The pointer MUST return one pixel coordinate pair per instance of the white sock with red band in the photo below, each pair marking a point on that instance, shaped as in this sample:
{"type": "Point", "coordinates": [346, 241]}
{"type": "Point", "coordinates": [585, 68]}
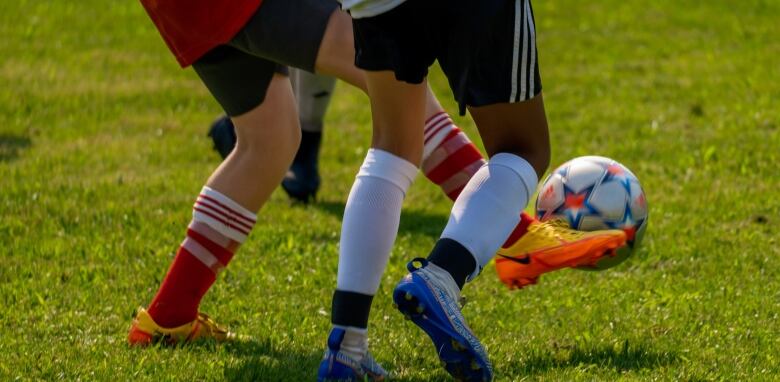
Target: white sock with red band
{"type": "Point", "coordinates": [450, 159]}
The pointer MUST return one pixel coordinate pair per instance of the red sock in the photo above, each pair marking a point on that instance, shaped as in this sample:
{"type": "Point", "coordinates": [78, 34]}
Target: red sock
{"type": "Point", "coordinates": [218, 227]}
{"type": "Point", "coordinates": [520, 230]}
{"type": "Point", "coordinates": [450, 159]}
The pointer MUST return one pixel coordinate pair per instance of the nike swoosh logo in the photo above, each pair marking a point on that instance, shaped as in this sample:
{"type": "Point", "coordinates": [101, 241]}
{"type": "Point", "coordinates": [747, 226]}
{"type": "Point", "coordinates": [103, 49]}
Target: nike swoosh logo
{"type": "Point", "coordinates": [525, 260]}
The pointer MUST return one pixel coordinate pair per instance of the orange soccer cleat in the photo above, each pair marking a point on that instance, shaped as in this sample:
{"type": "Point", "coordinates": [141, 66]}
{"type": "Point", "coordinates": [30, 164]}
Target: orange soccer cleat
{"type": "Point", "coordinates": [144, 331]}
{"type": "Point", "coordinates": [552, 245]}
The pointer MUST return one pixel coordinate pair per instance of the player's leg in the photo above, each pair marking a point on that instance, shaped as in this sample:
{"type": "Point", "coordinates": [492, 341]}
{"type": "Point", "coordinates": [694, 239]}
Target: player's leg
{"type": "Point", "coordinates": [371, 219]}
{"type": "Point", "coordinates": [224, 211]}
{"type": "Point", "coordinates": [313, 93]}
{"type": "Point", "coordinates": [495, 196]}
{"type": "Point", "coordinates": [278, 32]}
{"type": "Point", "coordinates": [372, 212]}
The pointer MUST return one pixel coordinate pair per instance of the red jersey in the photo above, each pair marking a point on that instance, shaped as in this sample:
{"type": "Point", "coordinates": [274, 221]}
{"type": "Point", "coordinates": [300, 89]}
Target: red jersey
{"type": "Point", "coordinates": [193, 27]}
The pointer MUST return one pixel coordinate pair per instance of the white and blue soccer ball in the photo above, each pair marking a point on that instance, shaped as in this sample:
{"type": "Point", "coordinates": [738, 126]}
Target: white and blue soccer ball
{"type": "Point", "coordinates": [594, 193]}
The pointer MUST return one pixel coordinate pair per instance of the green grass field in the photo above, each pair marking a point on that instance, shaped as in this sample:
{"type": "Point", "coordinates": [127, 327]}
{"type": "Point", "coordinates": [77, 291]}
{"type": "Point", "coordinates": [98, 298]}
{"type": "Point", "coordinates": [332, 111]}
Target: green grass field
{"type": "Point", "coordinates": [103, 149]}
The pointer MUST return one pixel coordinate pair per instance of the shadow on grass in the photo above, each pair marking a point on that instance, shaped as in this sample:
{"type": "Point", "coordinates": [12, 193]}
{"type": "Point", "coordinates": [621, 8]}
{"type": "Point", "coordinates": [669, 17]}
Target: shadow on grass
{"type": "Point", "coordinates": [625, 358]}
{"type": "Point", "coordinates": [259, 360]}
{"type": "Point", "coordinates": [412, 221]}
{"type": "Point", "coordinates": [11, 145]}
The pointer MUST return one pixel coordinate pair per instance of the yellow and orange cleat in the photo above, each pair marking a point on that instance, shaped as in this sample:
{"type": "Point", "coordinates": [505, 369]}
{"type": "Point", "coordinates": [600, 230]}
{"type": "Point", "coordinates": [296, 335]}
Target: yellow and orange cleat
{"type": "Point", "coordinates": [552, 245]}
{"type": "Point", "coordinates": [144, 331]}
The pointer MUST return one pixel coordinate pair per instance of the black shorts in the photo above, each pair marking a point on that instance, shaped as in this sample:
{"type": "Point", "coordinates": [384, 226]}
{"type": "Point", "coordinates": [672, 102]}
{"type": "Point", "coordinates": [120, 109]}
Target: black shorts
{"type": "Point", "coordinates": [486, 48]}
{"type": "Point", "coordinates": [281, 32]}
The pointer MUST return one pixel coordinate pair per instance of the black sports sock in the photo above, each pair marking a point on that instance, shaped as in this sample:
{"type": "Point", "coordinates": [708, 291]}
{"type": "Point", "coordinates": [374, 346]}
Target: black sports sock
{"type": "Point", "coordinates": [453, 258]}
{"type": "Point", "coordinates": [350, 309]}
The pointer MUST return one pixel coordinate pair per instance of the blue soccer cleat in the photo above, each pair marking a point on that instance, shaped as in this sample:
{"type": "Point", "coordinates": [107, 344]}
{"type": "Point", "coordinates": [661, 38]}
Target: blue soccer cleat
{"type": "Point", "coordinates": [430, 298]}
{"type": "Point", "coordinates": [337, 366]}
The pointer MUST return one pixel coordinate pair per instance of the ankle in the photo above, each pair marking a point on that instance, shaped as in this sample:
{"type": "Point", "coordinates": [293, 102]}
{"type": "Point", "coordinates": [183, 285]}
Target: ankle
{"type": "Point", "coordinates": [453, 258]}
{"type": "Point", "coordinates": [354, 342]}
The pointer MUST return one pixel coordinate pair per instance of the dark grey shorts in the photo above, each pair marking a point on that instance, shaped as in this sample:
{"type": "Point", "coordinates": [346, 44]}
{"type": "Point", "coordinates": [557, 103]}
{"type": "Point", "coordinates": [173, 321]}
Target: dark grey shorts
{"type": "Point", "coordinates": [281, 32]}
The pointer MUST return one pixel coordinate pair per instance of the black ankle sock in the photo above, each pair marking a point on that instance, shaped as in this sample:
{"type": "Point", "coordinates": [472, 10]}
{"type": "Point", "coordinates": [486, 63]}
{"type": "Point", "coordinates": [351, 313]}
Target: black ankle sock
{"type": "Point", "coordinates": [350, 309]}
{"type": "Point", "coordinates": [453, 258]}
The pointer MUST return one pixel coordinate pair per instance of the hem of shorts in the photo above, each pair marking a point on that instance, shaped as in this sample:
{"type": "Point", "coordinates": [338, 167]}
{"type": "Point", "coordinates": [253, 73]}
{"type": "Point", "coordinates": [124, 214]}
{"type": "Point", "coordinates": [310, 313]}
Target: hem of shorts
{"type": "Point", "coordinates": [358, 14]}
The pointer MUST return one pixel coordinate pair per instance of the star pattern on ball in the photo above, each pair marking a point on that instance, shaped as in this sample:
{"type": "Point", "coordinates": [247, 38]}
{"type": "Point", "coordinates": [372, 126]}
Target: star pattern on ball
{"type": "Point", "coordinates": [628, 224]}
{"type": "Point", "coordinates": [576, 205]}
{"type": "Point", "coordinates": [616, 173]}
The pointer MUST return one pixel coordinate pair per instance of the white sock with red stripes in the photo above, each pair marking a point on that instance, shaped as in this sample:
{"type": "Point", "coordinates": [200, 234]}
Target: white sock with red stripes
{"type": "Point", "coordinates": [450, 159]}
{"type": "Point", "coordinates": [219, 226]}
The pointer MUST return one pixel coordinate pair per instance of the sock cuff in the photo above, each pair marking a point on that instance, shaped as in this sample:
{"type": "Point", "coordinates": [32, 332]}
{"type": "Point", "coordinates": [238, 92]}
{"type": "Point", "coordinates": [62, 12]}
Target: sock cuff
{"type": "Point", "coordinates": [223, 215]}
{"type": "Point", "coordinates": [384, 165]}
{"type": "Point", "coordinates": [229, 203]}
{"type": "Point", "coordinates": [519, 166]}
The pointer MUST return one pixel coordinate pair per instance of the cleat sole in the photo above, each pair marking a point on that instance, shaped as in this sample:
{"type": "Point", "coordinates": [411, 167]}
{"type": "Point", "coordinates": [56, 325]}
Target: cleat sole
{"type": "Point", "coordinates": [455, 354]}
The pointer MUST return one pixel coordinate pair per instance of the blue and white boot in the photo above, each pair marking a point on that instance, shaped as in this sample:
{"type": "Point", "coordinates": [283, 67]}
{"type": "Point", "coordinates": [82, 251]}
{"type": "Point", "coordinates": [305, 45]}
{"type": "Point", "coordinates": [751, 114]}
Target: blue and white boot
{"type": "Point", "coordinates": [338, 366]}
{"type": "Point", "coordinates": [429, 297]}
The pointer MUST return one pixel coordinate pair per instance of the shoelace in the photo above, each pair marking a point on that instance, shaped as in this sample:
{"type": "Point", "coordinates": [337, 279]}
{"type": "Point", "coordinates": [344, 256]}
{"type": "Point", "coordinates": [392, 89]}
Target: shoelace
{"type": "Point", "coordinates": [551, 225]}
{"type": "Point", "coordinates": [210, 323]}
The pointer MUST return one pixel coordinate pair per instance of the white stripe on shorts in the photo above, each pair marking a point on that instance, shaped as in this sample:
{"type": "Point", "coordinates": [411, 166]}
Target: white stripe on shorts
{"type": "Point", "coordinates": [532, 40]}
{"type": "Point", "coordinates": [524, 61]}
{"type": "Point", "coordinates": [515, 51]}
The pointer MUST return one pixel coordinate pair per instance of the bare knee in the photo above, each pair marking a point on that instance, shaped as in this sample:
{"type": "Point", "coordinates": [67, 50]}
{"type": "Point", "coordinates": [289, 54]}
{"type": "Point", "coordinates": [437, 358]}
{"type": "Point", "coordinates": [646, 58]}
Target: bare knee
{"type": "Point", "coordinates": [272, 128]}
{"type": "Point", "coordinates": [257, 138]}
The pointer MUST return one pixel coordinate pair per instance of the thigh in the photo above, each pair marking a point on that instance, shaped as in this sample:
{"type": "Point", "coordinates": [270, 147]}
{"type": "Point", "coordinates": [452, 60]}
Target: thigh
{"type": "Point", "coordinates": [236, 79]}
{"type": "Point", "coordinates": [287, 31]}
{"type": "Point", "coordinates": [398, 114]}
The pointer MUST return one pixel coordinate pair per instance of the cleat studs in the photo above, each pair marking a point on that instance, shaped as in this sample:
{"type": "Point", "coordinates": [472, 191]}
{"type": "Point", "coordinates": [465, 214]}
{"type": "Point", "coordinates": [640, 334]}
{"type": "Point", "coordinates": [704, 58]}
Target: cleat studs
{"type": "Point", "coordinates": [408, 296]}
{"type": "Point", "coordinates": [420, 308]}
{"type": "Point", "coordinates": [457, 346]}
{"type": "Point", "coordinates": [475, 365]}
{"type": "Point", "coordinates": [408, 317]}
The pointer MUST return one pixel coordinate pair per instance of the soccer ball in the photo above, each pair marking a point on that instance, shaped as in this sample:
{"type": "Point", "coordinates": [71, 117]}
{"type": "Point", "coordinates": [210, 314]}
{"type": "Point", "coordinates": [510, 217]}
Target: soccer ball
{"type": "Point", "coordinates": [593, 193]}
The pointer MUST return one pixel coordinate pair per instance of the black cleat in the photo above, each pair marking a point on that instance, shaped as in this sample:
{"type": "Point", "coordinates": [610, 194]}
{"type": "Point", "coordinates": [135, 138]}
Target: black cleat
{"type": "Point", "coordinates": [302, 181]}
{"type": "Point", "coordinates": [223, 134]}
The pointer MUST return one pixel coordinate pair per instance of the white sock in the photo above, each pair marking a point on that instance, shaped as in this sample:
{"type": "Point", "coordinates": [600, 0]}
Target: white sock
{"type": "Point", "coordinates": [489, 207]}
{"type": "Point", "coordinates": [371, 219]}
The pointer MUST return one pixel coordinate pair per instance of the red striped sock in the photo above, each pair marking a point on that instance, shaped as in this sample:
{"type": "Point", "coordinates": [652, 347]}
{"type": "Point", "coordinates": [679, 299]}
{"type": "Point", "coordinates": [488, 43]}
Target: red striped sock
{"type": "Point", "coordinates": [450, 159]}
{"type": "Point", "coordinates": [218, 227]}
